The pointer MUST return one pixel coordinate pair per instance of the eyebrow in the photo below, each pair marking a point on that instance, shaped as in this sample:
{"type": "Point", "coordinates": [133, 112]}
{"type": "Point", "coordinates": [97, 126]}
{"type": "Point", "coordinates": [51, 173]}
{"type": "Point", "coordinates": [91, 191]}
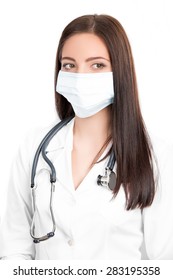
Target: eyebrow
{"type": "Point", "coordinates": [67, 58]}
{"type": "Point", "coordinates": [87, 60]}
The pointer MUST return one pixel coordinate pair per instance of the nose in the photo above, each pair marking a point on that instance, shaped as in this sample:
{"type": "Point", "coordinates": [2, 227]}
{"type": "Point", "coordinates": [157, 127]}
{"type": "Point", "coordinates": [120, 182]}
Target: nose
{"type": "Point", "coordinates": [82, 68]}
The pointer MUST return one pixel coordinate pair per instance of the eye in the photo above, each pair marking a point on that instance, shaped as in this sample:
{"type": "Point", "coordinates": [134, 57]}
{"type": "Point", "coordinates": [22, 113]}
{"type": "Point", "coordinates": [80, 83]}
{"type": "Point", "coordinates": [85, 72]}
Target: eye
{"type": "Point", "coordinates": [98, 65]}
{"type": "Point", "coordinates": [67, 66]}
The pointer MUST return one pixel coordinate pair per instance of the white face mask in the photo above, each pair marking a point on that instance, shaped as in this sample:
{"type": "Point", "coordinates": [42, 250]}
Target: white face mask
{"type": "Point", "coordinates": [88, 93]}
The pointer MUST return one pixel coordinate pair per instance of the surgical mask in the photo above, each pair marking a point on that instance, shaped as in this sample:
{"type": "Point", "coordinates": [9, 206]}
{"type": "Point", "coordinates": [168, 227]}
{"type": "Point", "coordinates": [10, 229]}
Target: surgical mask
{"type": "Point", "coordinates": [88, 93]}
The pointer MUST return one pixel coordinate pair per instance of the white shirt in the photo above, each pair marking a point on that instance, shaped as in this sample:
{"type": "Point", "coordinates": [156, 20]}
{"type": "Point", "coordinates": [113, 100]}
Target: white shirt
{"type": "Point", "coordinates": [89, 223]}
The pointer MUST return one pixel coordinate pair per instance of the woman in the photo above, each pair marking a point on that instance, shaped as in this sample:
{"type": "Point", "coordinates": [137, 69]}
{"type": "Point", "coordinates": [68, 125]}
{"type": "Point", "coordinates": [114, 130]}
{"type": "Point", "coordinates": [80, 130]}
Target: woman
{"type": "Point", "coordinates": [95, 85]}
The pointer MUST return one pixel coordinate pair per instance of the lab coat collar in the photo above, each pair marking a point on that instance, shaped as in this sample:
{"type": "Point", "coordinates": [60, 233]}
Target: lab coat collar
{"type": "Point", "coordinates": [59, 152]}
{"type": "Point", "coordinates": [62, 139]}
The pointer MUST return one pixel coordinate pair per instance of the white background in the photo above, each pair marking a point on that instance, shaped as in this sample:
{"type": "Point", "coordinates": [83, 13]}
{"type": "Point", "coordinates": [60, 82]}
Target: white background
{"type": "Point", "coordinates": [29, 34]}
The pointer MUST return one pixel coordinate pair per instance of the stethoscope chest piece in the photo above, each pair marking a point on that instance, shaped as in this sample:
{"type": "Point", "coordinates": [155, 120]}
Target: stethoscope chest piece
{"type": "Point", "coordinates": [108, 180]}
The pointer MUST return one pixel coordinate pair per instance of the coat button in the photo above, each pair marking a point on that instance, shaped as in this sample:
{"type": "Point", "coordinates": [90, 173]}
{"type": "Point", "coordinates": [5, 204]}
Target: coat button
{"type": "Point", "coordinates": [70, 242]}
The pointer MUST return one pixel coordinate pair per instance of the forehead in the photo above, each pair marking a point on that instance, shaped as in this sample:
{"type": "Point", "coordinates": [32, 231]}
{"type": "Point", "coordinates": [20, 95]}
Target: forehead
{"type": "Point", "coordinates": [85, 44]}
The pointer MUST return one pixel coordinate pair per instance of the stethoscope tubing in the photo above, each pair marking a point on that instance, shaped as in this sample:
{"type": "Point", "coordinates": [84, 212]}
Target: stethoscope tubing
{"type": "Point", "coordinates": [41, 149]}
{"type": "Point", "coordinates": [107, 180]}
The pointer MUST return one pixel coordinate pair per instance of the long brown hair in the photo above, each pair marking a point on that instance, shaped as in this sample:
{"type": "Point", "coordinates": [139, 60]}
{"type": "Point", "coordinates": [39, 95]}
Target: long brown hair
{"type": "Point", "coordinates": [131, 142]}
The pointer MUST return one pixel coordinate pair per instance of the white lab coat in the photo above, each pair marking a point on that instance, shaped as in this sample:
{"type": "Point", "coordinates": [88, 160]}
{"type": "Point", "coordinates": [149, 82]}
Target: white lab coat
{"type": "Point", "coordinates": [89, 225]}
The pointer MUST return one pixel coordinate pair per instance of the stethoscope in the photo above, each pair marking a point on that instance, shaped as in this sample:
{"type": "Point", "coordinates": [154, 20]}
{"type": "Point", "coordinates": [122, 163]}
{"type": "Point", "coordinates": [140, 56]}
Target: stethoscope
{"type": "Point", "coordinates": [108, 180]}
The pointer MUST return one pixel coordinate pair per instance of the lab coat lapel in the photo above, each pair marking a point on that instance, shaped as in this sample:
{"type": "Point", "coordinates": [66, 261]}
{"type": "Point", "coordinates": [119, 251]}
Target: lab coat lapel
{"type": "Point", "coordinates": [59, 152]}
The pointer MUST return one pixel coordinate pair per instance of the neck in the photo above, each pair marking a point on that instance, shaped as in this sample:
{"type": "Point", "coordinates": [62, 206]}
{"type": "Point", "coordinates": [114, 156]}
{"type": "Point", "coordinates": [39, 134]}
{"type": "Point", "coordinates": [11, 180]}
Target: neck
{"type": "Point", "coordinates": [94, 129]}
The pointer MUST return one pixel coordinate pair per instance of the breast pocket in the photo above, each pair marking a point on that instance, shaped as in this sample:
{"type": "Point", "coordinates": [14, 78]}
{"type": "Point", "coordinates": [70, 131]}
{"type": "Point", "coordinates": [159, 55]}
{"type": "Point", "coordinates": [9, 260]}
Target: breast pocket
{"type": "Point", "coordinates": [115, 213]}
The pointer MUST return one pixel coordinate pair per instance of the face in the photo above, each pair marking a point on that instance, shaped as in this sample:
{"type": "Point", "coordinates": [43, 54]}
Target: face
{"type": "Point", "coordinates": [85, 53]}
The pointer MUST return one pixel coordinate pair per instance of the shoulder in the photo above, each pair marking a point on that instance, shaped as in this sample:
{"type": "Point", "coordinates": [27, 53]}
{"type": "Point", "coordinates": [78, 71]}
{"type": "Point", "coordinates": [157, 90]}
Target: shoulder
{"type": "Point", "coordinates": [162, 151]}
{"type": "Point", "coordinates": [163, 167]}
{"type": "Point", "coordinates": [34, 137]}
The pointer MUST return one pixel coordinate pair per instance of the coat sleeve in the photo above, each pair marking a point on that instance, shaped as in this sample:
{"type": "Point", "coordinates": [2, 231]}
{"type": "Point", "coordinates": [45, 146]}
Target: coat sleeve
{"type": "Point", "coordinates": [15, 240]}
{"type": "Point", "coordinates": [158, 218]}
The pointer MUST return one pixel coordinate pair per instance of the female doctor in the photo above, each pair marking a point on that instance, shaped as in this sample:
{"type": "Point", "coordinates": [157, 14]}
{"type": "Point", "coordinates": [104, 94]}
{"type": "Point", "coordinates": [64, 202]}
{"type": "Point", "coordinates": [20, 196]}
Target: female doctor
{"type": "Point", "coordinates": [96, 86]}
